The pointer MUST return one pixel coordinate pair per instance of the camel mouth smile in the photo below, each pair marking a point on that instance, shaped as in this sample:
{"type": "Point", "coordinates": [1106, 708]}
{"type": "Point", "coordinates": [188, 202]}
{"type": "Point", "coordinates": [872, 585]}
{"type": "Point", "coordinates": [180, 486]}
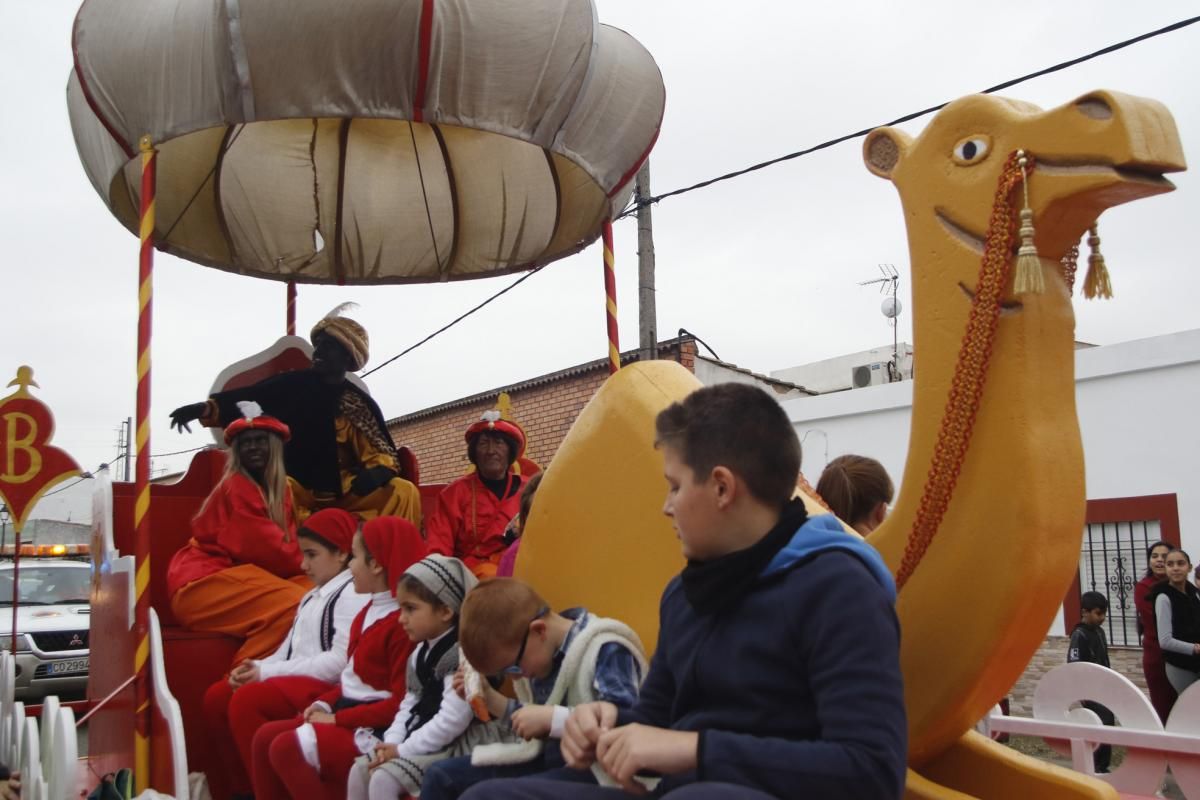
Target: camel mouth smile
{"type": "Point", "coordinates": [1007, 307]}
{"type": "Point", "coordinates": [1137, 174]}
{"type": "Point", "coordinates": [1145, 175]}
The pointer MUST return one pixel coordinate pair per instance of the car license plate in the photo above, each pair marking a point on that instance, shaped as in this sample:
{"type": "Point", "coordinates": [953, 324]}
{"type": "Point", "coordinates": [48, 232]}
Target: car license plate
{"type": "Point", "coordinates": [69, 666]}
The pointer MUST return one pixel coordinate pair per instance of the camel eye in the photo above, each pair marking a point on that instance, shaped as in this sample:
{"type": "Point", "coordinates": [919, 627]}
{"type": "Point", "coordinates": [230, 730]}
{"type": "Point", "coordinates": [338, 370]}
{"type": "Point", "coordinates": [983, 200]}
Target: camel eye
{"type": "Point", "coordinates": [972, 150]}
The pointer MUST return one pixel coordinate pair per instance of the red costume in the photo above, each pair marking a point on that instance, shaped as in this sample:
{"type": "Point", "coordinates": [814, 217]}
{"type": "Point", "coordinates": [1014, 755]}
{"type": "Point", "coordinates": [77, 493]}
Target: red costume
{"type": "Point", "coordinates": [1162, 694]}
{"type": "Point", "coordinates": [232, 528]}
{"type": "Point", "coordinates": [472, 514]}
{"type": "Point", "coordinates": [379, 654]}
{"type": "Point", "coordinates": [240, 573]}
{"type": "Point", "coordinates": [469, 520]}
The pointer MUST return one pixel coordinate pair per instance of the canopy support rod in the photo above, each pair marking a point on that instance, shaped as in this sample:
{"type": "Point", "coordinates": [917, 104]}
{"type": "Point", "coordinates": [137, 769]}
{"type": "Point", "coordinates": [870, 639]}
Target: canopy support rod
{"type": "Point", "coordinates": [291, 308]}
{"type": "Point", "coordinates": [610, 295]}
{"type": "Point", "coordinates": [141, 508]}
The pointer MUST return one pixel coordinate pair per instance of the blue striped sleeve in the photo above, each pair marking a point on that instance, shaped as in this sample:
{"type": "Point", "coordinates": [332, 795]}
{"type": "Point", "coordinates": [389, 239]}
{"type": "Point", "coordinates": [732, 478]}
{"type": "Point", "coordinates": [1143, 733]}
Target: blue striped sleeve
{"type": "Point", "coordinates": [618, 675]}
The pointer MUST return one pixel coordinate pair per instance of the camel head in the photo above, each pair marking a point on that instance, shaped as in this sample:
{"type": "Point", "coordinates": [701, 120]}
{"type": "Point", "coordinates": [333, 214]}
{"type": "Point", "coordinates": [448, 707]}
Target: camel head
{"type": "Point", "coordinates": [1091, 154]}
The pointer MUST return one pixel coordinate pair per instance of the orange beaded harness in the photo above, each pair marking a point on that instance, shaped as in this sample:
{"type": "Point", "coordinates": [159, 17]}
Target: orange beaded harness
{"type": "Point", "coordinates": [970, 373]}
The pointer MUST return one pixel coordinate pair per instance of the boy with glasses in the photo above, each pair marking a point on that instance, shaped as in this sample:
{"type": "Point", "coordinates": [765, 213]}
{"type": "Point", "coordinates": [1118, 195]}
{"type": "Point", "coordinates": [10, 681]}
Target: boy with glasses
{"type": "Point", "coordinates": [558, 660]}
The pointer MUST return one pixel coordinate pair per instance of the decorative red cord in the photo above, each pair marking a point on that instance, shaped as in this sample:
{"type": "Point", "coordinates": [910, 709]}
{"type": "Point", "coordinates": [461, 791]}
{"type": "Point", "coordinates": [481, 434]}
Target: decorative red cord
{"type": "Point", "coordinates": [970, 373]}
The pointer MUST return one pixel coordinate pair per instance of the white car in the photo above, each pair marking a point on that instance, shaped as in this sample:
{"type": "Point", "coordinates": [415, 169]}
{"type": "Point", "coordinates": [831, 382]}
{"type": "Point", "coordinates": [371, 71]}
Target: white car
{"type": "Point", "coordinates": [53, 617]}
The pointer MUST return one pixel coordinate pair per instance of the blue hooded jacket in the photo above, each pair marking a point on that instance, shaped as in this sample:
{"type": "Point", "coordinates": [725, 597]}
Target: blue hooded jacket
{"type": "Point", "coordinates": [795, 688]}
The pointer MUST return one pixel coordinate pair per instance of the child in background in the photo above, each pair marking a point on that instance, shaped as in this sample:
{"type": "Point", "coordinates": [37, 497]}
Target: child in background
{"type": "Point", "coordinates": [560, 660]}
{"type": "Point", "coordinates": [1177, 620]}
{"type": "Point", "coordinates": [1162, 693]}
{"type": "Point", "coordinates": [1088, 644]}
{"type": "Point", "coordinates": [311, 755]}
{"type": "Point", "coordinates": [306, 664]}
{"type": "Point", "coordinates": [857, 489]}
{"type": "Point", "coordinates": [433, 718]}
{"type": "Point", "coordinates": [516, 527]}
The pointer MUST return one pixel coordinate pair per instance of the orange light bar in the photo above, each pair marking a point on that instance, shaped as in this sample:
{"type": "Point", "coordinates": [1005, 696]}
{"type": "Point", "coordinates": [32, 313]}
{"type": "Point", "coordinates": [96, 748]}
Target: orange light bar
{"type": "Point", "coordinates": [46, 550]}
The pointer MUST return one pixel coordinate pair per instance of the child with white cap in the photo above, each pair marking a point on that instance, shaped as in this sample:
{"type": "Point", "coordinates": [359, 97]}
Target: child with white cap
{"type": "Point", "coordinates": [433, 721]}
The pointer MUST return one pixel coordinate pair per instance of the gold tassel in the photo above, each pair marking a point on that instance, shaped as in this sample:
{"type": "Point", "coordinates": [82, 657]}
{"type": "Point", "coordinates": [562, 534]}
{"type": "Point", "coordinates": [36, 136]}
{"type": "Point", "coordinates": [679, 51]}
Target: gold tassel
{"type": "Point", "coordinates": [1097, 283]}
{"type": "Point", "coordinates": [1029, 278]}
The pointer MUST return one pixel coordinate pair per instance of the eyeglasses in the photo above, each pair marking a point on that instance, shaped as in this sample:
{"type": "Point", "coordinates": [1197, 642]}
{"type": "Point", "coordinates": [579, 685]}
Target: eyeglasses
{"type": "Point", "coordinates": [515, 669]}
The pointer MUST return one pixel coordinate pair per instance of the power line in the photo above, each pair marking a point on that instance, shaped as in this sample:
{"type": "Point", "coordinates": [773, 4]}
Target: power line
{"type": "Point", "coordinates": [85, 476]}
{"type": "Point", "coordinates": [633, 206]}
{"type": "Point", "coordinates": [182, 452]}
{"type": "Point", "coordinates": [907, 117]}
{"type": "Point", "coordinates": [460, 318]}
{"type": "Point", "coordinates": [89, 475]}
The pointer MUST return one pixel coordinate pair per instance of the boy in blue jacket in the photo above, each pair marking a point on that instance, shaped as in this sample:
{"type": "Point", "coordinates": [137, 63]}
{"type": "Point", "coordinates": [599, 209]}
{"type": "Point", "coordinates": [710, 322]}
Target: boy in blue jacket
{"type": "Point", "coordinates": [777, 671]}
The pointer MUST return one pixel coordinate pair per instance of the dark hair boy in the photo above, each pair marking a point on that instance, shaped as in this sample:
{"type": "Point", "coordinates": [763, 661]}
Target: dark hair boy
{"type": "Point", "coordinates": [1088, 644]}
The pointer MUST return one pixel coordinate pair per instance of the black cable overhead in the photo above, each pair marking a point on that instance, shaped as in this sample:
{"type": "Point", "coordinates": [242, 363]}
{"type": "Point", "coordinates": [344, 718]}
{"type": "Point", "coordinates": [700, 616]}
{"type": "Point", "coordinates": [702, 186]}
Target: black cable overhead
{"type": "Point", "coordinates": [86, 476]}
{"type": "Point", "coordinates": [633, 207]}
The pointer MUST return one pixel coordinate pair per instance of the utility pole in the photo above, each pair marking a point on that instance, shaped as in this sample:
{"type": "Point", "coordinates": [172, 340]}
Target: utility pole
{"type": "Point", "coordinates": [128, 443]}
{"type": "Point", "coordinates": [647, 315]}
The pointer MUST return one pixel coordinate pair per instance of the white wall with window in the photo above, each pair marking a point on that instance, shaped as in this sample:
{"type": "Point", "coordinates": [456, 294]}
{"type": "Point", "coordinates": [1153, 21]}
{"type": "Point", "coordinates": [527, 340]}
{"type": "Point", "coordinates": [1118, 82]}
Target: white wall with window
{"type": "Point", "coordinates": [1137, 403]}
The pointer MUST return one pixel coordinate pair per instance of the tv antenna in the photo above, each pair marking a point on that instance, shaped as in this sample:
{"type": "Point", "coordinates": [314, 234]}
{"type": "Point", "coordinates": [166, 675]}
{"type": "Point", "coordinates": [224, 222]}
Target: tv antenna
{"type": "Point", "coordinates": [888, 283]}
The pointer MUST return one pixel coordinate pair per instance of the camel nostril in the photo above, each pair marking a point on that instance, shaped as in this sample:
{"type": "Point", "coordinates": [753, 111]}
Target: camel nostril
{"type": "Point", "coordinates": [1095, 107]}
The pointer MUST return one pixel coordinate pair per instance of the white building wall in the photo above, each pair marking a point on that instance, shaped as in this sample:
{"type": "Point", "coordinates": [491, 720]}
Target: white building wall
{"type": "Point", "coordinates": [1137, 402]}
{"type": "Point", "coordinates": [833, 374]}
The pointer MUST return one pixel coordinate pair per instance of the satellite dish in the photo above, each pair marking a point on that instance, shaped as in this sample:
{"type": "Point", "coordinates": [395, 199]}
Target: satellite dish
{"type": "Point", "coordinates": [891, 307]}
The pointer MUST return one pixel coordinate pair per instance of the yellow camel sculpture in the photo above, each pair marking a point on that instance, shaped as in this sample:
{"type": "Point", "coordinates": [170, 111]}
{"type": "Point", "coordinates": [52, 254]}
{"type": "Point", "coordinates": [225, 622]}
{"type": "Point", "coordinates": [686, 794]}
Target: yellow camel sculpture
{"type": "Point", "coordinates": [982, 598]}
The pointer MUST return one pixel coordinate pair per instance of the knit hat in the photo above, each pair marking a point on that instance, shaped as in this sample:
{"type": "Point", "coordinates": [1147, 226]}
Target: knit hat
{"type": "Point", "coordinates": [348, 333]}
{"type": "Point", "coordinates": [395, 543]}
{"type": "Point", "coordinates": [253, 418]}
{"type": "Point", "coordinates": [448, 578]}
{"type": "Point", "coordinates": [334, 526]}
{"type": "Point", "coordinates": [491, 421]}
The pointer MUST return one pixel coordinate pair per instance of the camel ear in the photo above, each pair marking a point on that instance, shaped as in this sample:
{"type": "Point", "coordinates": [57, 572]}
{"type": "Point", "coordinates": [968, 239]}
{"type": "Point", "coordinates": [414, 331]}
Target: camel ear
{"type": "Point", "coordinates": [883, 149]}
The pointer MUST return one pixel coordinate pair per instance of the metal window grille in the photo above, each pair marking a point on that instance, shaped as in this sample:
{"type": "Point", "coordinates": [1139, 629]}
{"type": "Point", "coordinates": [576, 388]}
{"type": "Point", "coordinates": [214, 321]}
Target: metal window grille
{"type": "Point", "coordinates": [1112, 562]}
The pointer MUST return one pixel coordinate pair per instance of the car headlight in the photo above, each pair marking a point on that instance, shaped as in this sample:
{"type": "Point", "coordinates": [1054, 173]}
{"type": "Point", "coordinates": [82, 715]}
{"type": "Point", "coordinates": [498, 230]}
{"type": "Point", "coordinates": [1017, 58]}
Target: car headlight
{"type": "Point", "coordinates": [6, 643]}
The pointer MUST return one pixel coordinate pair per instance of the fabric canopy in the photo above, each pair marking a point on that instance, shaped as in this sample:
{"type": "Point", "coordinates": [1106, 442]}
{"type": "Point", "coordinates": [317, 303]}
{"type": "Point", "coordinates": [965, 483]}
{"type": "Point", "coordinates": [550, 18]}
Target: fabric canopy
{"type": "Point", "coordinates": [364, 141]}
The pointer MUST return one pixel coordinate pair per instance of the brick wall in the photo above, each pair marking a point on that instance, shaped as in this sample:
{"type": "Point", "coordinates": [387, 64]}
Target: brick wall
{"type": "Point", "coordinates": [545, 407]}
{"type": "Point", "coordinates": [1125, 660]}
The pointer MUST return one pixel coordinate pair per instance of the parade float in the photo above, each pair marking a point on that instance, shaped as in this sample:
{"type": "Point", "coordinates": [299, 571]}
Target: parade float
{"type": "Point", "coordinates": [407, 142]}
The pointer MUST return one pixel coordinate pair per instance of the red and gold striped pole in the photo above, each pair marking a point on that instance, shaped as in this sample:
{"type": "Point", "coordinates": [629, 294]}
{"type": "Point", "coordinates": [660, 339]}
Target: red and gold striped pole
{"type": "Point", "coordinates": [610, 295]}
{"type": "Point", "coordinates": [141, 508]}
{"type": "Point", "coordinates": [291, 308]}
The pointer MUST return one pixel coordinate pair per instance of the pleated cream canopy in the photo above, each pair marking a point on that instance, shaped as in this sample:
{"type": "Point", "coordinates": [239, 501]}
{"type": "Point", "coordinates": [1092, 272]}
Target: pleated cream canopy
{"type": "Point", "coordinates": [364, 141]}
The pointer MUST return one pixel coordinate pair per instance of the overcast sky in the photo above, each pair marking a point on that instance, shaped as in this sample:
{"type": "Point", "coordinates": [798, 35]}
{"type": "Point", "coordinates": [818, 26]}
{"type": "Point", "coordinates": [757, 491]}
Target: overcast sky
{"type": "Point", "coordinates": [764, 268]}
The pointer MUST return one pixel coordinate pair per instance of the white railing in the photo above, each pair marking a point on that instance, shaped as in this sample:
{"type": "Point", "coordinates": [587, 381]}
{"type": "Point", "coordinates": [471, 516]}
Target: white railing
{"type": "Point", "coordinates": [1075, 731]}
{"type": "Point", "coordinates": [47, 754]}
